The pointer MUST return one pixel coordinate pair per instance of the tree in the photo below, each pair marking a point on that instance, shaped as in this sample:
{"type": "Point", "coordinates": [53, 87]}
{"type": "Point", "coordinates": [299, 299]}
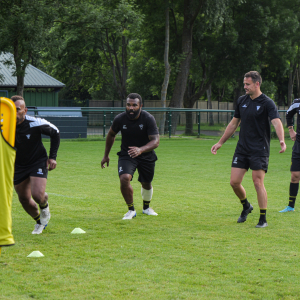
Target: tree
{"type": "Point", "coordinates": [167, 70]}
{"type": "Point", "coordinates": [23, 32]}
{"type": "Point", "coordinates": [93, 42]}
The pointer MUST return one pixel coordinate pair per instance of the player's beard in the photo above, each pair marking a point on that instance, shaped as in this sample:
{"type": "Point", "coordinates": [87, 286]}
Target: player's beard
{"type": "Point", "coordinates": [134, 115]}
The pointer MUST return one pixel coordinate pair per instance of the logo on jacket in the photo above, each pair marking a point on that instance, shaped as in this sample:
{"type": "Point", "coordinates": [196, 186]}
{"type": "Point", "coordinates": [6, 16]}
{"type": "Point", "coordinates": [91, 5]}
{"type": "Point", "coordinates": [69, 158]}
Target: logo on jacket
{"type": "Point", "coordinates": [257, 107]}
{"type": "Point", "coordinates": [28, 136]}
{"type": "Point", "coordinates": [124, 127]}
{"type": "Point", "coordinates": [244, 105]}
{"type": "Point", "coordinates": [141, 126]}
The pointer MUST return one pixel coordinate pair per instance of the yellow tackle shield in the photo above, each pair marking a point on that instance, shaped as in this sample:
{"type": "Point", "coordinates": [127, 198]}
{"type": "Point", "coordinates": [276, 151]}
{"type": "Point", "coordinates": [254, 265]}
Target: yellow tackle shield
{"type": "Point", "coordinates": [7, 165]}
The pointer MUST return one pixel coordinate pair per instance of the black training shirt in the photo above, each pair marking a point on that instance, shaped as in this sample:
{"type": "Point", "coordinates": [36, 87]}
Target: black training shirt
{"type": "Point", "coordinates": [135, 133]}
{"type": "Point", "coordinates": [255, 115]}
{"type": "Point", "coordinates": [294, 109]}
{"type": "Point", "coordinates": [30, 149]}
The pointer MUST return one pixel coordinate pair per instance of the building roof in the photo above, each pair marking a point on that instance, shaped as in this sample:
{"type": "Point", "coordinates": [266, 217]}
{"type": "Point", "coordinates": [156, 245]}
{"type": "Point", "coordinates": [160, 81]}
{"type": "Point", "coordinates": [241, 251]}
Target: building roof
{"type": "Point", "coordinates": [34, 78]}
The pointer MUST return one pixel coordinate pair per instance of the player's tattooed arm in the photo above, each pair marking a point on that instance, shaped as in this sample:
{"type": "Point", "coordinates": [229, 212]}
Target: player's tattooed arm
{"type": "Point", "coordinates": [153, 143]}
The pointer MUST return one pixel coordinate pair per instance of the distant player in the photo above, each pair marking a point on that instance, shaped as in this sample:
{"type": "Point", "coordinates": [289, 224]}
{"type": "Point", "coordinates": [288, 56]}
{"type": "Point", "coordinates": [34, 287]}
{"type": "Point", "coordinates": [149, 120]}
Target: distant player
{"type": "Point", "coordinates": [32, 163]}
{"type": "Point", "coordinates": [253, 111]}
{"type": "Point", "coordinates": [295, 166]}
{"type": "Point", "coordinates": [139, 138]}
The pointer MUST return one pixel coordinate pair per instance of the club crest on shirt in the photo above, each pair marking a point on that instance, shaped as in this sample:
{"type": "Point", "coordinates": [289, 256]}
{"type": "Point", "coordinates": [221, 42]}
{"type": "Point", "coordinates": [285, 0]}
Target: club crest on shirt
{"type": "Point", "coordinates": [141, 126]}
{"type": "Point", "coordinates": [257, 107]}
{"type": "Point", "coordinates": [28, 136]}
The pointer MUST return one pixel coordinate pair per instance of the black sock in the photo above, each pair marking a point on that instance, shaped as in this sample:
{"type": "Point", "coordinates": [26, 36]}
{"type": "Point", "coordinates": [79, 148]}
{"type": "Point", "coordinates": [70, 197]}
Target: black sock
{"type": "Point", "coordinates": [245, 203]}
{"type": "Point", "coordinates": [37, 219]}
{"type": "Point", "coordinates": [146, 204]}
{"type": "Point", "coordinates": [43, 206]}
{"type": "Point", "coordinates": [263, 213]}
{"type": "Point", "coordinates": [293, 193]}
{"type": "Point", "coordinates": [130, 206]}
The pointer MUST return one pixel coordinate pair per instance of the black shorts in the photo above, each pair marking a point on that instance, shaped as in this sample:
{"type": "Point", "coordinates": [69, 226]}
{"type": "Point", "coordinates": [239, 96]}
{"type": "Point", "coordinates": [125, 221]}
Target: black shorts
{"type": "Point", "coordinates": [37, 170]}
{"type": "Point", "coordinates": [128, 165]}
{"type": "Point", "coordinates": [295, 164]}
{"type": "Point", "coordinates": [241, 161]}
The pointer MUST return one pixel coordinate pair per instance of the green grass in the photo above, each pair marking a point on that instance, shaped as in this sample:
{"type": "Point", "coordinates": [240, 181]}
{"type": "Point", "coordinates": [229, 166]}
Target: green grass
{"type": "Point", "coordinates": [194, 248]}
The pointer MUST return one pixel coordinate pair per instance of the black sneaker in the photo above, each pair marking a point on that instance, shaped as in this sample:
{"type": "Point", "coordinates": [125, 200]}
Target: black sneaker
{"type": "Point", "coordinates": [243, 217]}
{"type": "Point", "coordinates": [261, 224]}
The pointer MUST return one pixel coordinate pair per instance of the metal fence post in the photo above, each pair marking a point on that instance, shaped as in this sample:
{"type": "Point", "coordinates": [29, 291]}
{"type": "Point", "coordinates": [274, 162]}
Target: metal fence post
{"type": "Point", "coordinates": [111, 117]}
{"type": "Point", "coordinates": [198, 123]}
{"type": "Point", "coordinates": [227, 112]}
{"type": "Point", "coordinates": [170, 123]}
{"type": "Point", "coordinates": [104, 115]}
{"type": "Point", "coordinates": [218, 112]}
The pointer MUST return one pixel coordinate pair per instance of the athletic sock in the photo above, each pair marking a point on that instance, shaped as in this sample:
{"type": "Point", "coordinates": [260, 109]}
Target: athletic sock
{"type": "Point", "coordinates": [146, 204]}
{"type": "Point", "coordinates": [43, 206]}
{"type": "Point", "coordinates": [130, 206]}
{"type": "Point", "coordinates": [293, 193]}
{"type": "Point", "coordinates": [37, 219]}
{"type": "Point", "coordinates": [263, 213]}
{"type": "Point", "coordinates": [245, 203]}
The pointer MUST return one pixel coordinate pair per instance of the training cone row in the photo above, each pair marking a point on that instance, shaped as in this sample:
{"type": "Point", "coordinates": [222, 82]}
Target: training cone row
{"type": "Point", "coordinates": [40, 254]}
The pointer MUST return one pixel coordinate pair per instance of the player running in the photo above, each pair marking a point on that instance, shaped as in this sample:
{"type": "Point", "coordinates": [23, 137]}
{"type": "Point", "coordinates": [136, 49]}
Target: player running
{"type": "Point", "coordinates": [253, 112]}
{"type": "Point", "coordinates": [32, 163]}
{"type": "Point", "coordinates": [295, 166]}
{"type": "Point", "coordinates": [139, 138]}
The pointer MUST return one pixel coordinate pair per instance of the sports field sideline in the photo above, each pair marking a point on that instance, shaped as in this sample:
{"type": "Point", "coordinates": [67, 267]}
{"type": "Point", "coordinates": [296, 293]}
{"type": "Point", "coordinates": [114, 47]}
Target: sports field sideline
{"type": "Point", "coordinates": [194, 248]}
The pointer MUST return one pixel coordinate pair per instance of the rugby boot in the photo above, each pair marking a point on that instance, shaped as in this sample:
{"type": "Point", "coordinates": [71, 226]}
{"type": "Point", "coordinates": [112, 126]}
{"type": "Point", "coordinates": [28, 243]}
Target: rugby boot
{"type": "Point", "coordinates": [38, 228]}
{"type": "Point", "coordinates": [149, 211]}
{"type": "Point", "coordinates": [129, 215]}
{"type": "Point", "coordinates": [243, 217]}
{"type": "Point", "coordinates": [261, 224]}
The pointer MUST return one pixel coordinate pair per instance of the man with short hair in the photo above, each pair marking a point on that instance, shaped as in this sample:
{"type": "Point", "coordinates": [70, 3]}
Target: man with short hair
{"type": "Point", "coordinates": [32, 163]}
{"type": "Point", "coordinates": [253, 111]}
{"type": "Point", "coordinates": [139, 139]}
{"type": "Point", "coordinates": [295, 165]}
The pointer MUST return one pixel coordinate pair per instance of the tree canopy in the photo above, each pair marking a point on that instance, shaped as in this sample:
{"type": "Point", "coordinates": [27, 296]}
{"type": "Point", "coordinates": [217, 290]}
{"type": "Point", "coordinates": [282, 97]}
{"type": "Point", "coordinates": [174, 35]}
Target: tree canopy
{"type": "Point", "coordinates": [106, 49]}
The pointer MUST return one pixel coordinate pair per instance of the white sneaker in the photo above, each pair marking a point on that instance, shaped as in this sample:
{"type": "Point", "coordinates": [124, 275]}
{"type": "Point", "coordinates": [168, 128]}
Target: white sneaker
{"type": "Point", "coordinates": [45, 215]}
{"type": "Point", "coordinates": [38, 229]}
{"type": "Point", "coordinates": [129, 215]}
{"type": "Point", "coordinates": [149, 211]}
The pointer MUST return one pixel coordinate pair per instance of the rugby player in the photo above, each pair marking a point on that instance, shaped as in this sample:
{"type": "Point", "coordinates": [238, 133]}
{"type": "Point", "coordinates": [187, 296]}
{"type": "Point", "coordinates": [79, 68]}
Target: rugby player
{"type": "Point", "coordinates": [139, 138]}
{"type": "Point", "coordinates": [295, 166]}
{"type": "Point", "coordinates": [253, 112]}
{"type": "Point", "coordinates": [32, 163]}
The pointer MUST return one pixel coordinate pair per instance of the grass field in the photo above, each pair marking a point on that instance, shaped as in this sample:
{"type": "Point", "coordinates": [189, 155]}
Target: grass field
{"type": "Point", "coordinates": [194, 248]}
